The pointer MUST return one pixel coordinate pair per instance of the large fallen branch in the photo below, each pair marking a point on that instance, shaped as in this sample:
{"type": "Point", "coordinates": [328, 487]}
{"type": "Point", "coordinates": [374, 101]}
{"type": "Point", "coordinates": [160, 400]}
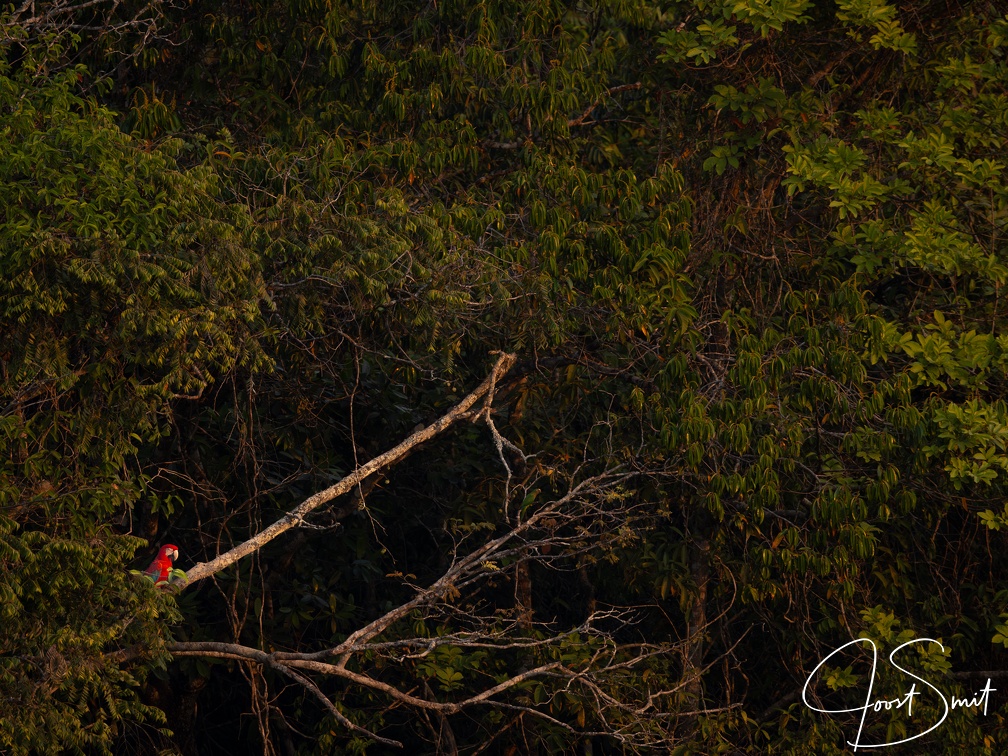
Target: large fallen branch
{"type": "Point", "coordinates": [296, 516]}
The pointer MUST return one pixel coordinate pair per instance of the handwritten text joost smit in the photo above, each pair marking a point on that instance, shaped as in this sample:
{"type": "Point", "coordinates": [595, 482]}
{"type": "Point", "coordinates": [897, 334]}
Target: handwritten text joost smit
{"type": "Point", "coordinates": [900, 702]}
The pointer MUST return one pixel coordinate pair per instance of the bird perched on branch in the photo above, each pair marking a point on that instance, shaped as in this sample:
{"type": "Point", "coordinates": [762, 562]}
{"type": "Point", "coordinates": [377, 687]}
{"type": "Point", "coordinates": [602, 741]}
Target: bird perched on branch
{"type": "Point", "coordinates": [160, 570]}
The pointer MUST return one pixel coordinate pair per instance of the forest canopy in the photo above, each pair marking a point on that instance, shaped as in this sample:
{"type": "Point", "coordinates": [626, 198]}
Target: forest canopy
{"type": "Point", "coordinates": [516, 376]}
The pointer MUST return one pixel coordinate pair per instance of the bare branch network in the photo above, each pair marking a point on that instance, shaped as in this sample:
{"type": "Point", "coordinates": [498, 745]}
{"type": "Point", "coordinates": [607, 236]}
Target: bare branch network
{"type": "Point", "coordinates": [103, 16]}
{"type": "Point", "coordinates": [586, 661]}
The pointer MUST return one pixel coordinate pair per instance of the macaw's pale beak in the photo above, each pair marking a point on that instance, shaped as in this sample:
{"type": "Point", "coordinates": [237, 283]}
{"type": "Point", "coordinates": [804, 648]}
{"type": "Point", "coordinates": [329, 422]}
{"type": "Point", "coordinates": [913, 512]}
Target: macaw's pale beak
{"type": "Point", "coordinates": [174, 554]}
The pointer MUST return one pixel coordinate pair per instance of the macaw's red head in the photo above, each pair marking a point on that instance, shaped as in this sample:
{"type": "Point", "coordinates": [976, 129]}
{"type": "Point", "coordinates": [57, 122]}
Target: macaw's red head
{"type": "Point", "coordinates": [169, 551]}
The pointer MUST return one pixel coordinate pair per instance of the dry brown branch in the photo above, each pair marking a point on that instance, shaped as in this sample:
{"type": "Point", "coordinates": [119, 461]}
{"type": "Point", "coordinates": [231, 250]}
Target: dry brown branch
{"type": "Point", "coordinates": [238, 652]}
{"type": "Point", "coordinates": [586, 518]}
{"type": "Point", "coordinates": [590, 508]}
{"type": "Point", "coordinates": [296, 516]}
{"type": "Point", "coordinates": [105, 18]}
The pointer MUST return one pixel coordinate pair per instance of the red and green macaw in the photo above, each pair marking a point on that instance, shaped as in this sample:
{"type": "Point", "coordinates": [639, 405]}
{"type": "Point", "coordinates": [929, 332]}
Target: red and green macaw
{"type": "Point", "coordinates": [160, 569]}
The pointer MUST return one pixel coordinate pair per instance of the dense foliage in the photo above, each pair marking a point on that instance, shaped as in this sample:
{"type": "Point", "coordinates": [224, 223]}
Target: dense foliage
{"type": "Point", "coordinates": [748, 255]}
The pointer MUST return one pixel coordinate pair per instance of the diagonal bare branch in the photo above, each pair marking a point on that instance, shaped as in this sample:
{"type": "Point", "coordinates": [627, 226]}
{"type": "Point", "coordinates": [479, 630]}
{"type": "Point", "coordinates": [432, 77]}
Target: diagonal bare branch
{"type": "Point", "coordinates": [296, 516]}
